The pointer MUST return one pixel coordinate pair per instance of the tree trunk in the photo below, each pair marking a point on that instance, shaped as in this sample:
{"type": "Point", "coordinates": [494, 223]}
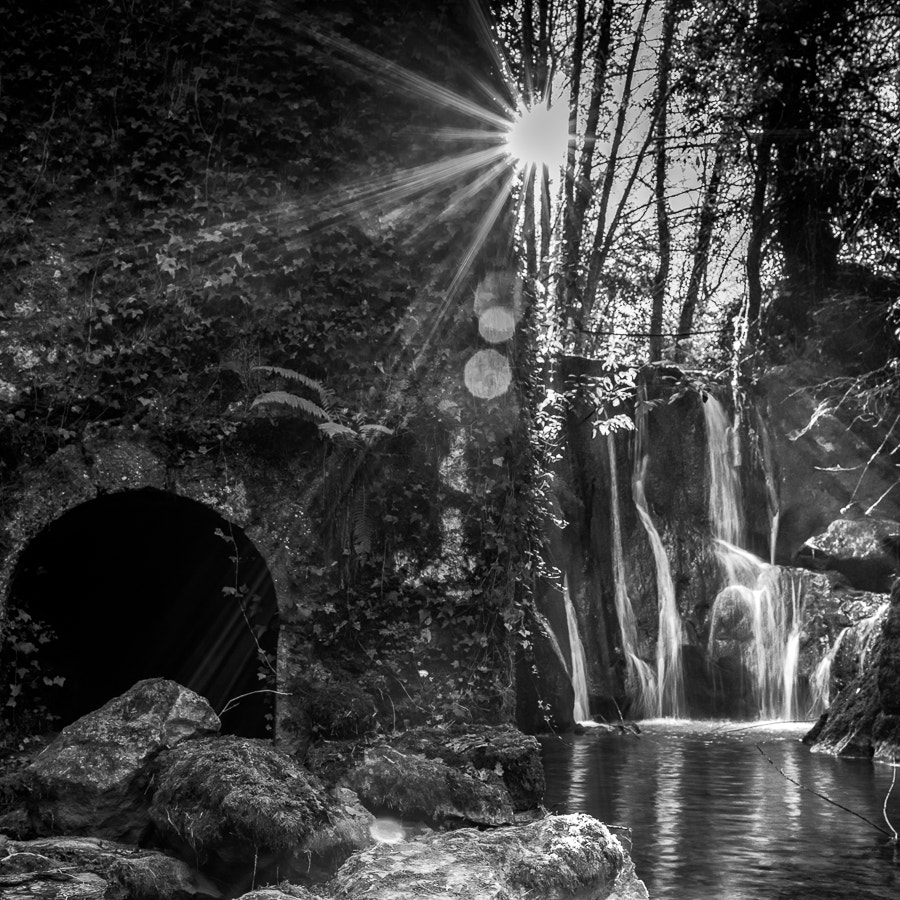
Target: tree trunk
{"type": "Point", "coordinates": [658, 288]}
{"type": "Point", "coordinates": [707, 220]}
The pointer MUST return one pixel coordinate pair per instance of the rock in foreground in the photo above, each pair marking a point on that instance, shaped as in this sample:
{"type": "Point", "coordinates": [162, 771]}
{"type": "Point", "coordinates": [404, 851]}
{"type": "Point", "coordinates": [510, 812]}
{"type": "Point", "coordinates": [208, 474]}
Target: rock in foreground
{"type": "Point", "coordinates": [557, 858]}
{"type": "Point", "coordinates": [237, 803]}
{"type": "Point", "coordinates": [66, 867]}
{"type": "Point", "coordinates": [92, 779]}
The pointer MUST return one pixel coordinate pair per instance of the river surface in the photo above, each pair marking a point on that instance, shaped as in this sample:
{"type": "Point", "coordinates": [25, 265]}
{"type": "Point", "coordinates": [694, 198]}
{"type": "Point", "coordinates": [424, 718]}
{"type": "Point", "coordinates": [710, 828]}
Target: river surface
{"type": "Point", "coordinates": [711, 817]}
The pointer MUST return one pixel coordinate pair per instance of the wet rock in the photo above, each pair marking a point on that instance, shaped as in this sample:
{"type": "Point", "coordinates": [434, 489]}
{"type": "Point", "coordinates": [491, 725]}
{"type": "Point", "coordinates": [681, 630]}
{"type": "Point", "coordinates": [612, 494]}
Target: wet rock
{"type": "Point", "coordinates": [52, 885]}
{"type": "Point", "coordinates": [864, 719]}
{"type": "Point", "coordinates": [282, 892]}
{"type": "Point", "coordinates": [93, 778]}
{"type": "Point", "coordinates": [502, 750]}
{"type": "Point", "coordinates": [865, 550]}
{"type": "Point", "coordinates": [414, 787]}
{"type": "Point", "coordinates": [240, 805]}
{"type": "Point", "coordinates": [558, 857]}
{"type": "Point", "coordinates": [118, 870]}
{"type": "Point", "coordinates": [847, 729]}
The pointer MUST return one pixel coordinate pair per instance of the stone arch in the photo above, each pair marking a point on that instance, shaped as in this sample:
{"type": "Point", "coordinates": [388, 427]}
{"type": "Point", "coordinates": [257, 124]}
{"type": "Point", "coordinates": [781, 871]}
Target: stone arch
{"type": "Point", "coordinates": [141, 583]}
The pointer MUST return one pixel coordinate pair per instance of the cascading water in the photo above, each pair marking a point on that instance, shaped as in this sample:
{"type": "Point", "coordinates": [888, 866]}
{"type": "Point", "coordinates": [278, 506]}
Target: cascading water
{"type": "Point", "coordinates": [761, 608]}
{"type": "Point", "coordinates": [669, 668]}
{"type": "Point", "coordinates": [820, 680]}
{"type": "Point", "coordinates": [640, 680]}
{"type": "Point", "coordinates": [578, 666]}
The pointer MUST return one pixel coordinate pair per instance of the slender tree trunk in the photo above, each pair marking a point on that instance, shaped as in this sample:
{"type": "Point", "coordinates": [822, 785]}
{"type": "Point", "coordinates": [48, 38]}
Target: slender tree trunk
{"type": "Point", "coordinates": [658, 287]}
{"type": "Point", "coordinates": [705, 225]}
{"type": "Point", "coordinates": [603, 239]}
{"type": "Point", "coordinates": [758, 227]}
{"type": "Point", "coordinates": [581, 190]}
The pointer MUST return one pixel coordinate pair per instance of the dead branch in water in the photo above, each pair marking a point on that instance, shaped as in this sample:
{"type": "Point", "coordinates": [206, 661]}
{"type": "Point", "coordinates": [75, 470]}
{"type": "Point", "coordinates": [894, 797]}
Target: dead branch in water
{"type": "Point", "coordinates": [893, 837]}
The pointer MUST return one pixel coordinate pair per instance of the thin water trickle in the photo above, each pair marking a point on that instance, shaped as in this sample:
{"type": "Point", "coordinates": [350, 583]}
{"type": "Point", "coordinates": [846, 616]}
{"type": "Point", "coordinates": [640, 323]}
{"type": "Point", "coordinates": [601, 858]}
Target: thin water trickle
{"type": "Point", "coordinates": [669, 666]}
{"type": "Point", "coordinates": [640, 680]}
{"type": "Point", "coordinates": [820, 680]}
{"type": "Point", "coordinates": [578, 664]}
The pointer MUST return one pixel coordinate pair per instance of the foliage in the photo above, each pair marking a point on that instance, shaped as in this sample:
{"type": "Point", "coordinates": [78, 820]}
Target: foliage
{"type": "Point", "coordinates": [24, 683]}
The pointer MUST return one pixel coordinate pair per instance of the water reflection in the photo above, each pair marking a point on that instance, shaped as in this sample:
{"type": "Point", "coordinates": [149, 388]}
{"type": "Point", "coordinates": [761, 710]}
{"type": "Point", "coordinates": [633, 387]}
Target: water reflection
{"type": "Point", "coordinates": [711, 816]}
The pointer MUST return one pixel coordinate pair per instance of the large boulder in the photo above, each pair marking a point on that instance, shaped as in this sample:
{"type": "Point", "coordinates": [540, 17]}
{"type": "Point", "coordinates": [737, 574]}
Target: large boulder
{"type": "Point", "coordinates": [864, 549]}
{"type": "Point", "coordinates": [558, 857]}
{"type": "Point", "coordinates": [82, 866]}
{"type": "Point", "coordinates": [239, 805]}
{"type": "Point", "coordinates": [94, 777]}
{"type": "Point", "coordinates": [479, 749]}
{"type": "Point", "coordinates": [411, 786]}
{"type": "Point", "coordinates": [864, 719]}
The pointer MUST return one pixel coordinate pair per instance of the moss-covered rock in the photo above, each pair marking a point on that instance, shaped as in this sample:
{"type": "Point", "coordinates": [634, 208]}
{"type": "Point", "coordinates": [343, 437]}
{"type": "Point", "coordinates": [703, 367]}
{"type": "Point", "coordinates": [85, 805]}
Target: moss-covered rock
{"type": "Point", "coordinates": [237, 803]}
{"type": "Point", "coordinates": [414, 787]}
{"type": "Point", "coordinates": [340, 711]}
{"type": "Point", "coordinates": [122, 869]}
{"type": "Point", "coordinates": [502, 750]}
{"type": "Point", "coordinates": [558, 857]}
{"type": "Point", "coordinates": [93, 778]}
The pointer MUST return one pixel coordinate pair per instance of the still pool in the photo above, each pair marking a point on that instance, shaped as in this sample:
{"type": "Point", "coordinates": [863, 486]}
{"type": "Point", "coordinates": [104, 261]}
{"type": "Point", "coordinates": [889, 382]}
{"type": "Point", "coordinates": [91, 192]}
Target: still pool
{"type": "Point", "coordinates": [711, 817]}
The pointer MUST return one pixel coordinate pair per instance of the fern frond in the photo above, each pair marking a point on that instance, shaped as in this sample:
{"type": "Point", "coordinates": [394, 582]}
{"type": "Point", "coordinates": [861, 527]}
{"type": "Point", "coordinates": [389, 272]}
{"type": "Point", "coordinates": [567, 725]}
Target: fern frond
{"type": "Point", "coordinates": [360, 523]}
{"type": "Point", "coordinates": [324, 395]}
{"type": "Point", "coordinates": [292, 401]}
{"type": "Point", "coordinates": [336, 430]}
{"type": "Point", "coordinates": [371, 433]}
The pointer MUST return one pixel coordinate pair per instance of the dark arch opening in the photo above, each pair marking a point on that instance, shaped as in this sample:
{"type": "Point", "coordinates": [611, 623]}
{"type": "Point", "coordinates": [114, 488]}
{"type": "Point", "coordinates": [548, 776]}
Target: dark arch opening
{"type": "Point", "coordinates": [142, 584]}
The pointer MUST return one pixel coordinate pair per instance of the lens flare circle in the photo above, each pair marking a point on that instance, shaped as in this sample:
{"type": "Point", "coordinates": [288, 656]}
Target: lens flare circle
{"type": "Point", "coordinates": [538, 135]}
{"type": "Point", "coordinates": [497, 324]}
{"type": "Point", "coordinates": [487, 374]}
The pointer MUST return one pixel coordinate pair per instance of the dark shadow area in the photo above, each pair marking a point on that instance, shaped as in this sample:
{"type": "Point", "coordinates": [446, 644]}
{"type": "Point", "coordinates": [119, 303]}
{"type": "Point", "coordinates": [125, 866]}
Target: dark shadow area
{"type": "Point", "coordinates": [143, 584]}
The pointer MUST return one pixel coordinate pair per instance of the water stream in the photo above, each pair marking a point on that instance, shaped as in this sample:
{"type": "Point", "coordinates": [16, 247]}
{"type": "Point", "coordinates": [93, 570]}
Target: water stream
{"type": "Point", "coordinates": [578, 666]}
{"type": "Point", "coordinates": [711, 817]}
{"type": "Point", "coordinates": [761, 606]}
{"type": "Point", "coordinates": [669, 666]}
{"type": "Point", "coordinates": [640, 680]}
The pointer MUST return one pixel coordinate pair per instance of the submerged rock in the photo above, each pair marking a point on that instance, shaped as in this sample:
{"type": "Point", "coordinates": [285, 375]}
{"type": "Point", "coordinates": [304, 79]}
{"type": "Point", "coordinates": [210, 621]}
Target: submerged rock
{"type": "Point", "coordinates": [414, 787]}
{"type": "Point", "coordinates": [559, 857]}
{"type": "Point", "coordinates": [88, 867]}
{"type": "Point", "coordinates": [239, 804]}
{"type": "Point", "coordinates": [93, 778]}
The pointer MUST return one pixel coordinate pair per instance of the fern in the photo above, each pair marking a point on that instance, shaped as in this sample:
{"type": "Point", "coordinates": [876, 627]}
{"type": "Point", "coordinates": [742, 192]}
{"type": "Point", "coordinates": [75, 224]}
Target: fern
{"type": "Point", "coordinates": [337, 430]}
{"type": "Point", "coordinates": [319, 389]}
{"type": "Point", "coordinates": [292, 401]}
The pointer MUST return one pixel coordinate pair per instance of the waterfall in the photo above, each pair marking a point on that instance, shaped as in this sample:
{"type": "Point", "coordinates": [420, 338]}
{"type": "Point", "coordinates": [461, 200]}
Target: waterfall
{"type": "Point", "coordinates": [761, 607]}
{"type": "Point", "coordinates": [752, 614]}
{"type": "Point", "coordinates": [726, 507]}
{"type": "Point", "coordinates": [578, 668]}
{"type": "Point", "coordinates": [669, 669]}
{"type": "Point", "coordinates": [640, 681]}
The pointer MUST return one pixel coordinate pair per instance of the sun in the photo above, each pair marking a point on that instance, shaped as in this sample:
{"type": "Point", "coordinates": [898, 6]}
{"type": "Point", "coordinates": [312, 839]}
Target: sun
{"type": "Point", "coordinates": [538, 135]}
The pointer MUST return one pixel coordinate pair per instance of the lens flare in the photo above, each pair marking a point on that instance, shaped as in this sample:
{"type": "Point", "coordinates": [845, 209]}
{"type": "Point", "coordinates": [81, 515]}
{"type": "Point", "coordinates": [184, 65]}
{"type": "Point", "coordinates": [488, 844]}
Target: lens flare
{"type": "Point", "coordinates": [487, 374]}
{"type": "Point", "coordinates": [497, 324]}
{"type": "Point", "coordinates": [538, 135]}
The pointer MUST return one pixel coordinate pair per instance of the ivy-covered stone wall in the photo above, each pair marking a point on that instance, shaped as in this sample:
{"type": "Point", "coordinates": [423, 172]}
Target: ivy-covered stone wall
{"type": "Point", "coordinates": [199, 209]}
